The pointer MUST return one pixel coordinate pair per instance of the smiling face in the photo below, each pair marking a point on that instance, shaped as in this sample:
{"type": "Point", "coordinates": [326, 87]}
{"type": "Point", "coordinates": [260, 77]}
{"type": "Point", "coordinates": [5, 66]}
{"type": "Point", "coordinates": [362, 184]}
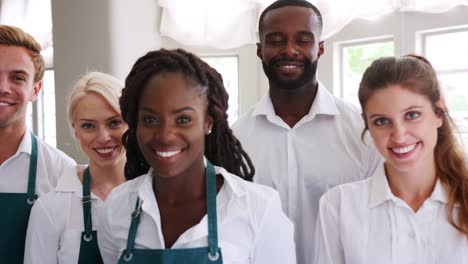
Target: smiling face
{"type": "Point", "coordinates": [404, 126]}
{"type": "Point", "coordinates": [17, 85]}
{"type": "Point", "coordinates": [99, 129]}
{"type": "Point", "coordinates": [290, 46]}
{"type": "Point", "coordinates": [172, 124]}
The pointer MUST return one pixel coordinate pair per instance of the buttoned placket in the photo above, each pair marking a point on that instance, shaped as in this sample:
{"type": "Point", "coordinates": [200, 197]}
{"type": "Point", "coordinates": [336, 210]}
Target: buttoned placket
{"type": "Point", "coordinates": [194, 233]}
{"type": "Point", "coordinates": [292, 174]}
{"type": "Point", "coordinates": [416, 229]}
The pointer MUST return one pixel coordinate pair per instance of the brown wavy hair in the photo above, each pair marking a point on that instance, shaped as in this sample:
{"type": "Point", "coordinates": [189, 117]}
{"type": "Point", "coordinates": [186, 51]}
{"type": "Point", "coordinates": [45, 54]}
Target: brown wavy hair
{"type": "Point", "coordinates": [416, 74]}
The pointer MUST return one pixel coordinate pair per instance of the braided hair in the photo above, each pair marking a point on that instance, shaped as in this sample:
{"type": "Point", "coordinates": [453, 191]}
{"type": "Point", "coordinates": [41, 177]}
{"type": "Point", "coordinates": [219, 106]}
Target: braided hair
{"type": "Point", "coordinates": [222, 148]}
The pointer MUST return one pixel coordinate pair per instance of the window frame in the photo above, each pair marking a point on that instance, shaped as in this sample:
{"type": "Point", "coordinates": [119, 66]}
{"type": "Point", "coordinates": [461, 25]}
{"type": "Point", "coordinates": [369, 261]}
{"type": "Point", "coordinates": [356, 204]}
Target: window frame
{"type": "Point", "coordinates": [338, 49]}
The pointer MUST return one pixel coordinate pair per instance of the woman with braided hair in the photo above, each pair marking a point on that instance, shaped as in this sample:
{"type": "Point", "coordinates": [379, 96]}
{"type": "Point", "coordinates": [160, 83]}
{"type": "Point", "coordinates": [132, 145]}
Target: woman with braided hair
{"type": "Point", "coordinates": [188, 198]}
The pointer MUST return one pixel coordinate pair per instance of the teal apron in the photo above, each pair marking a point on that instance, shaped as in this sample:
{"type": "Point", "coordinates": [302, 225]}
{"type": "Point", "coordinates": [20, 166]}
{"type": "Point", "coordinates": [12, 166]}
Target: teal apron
{"type": "Point", "coordinates": [89, 251]}
{"type": "Point", "coordinates": [201, 255]}
{"type": "Point", "coordinates": [15, 208]}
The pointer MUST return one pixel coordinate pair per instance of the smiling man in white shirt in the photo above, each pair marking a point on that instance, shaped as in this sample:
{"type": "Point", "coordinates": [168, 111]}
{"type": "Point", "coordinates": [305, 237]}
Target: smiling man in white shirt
{"type": "Point", "coordinates": [28, 167]}
{"type": "Point", "coordinates": [301, 139]}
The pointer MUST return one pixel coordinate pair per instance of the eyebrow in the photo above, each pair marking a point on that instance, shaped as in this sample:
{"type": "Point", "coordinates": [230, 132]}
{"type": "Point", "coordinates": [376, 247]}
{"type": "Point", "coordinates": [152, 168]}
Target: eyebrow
{"type": "Point", "coordinates": [177, 111]}
{"type": "Point", "coordinates": [300, 33]}
{"type": "Point", "coordinates": [92, 120]}
{"type": "Point", "coordinates": [308, 33]}
{"type": "Point", "coordinates": [20, 72]}
{"type": "Point", "coordinates": [274, 34]}
{"type": "Point", "coordinates": [413, 107]}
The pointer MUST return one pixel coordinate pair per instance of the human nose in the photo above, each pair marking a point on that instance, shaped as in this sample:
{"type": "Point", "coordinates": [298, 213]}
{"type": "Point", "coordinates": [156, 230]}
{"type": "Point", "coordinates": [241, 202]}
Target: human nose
{"type": "Point", "coordinates": [166, 133]}
{"type": "Point", "coordinates": [290, 49]}
{"type": "Point", "coordinates": [399, 132]}
{"type": "Point", "coordinates": [4, 86]}
{"type": "Point", "coordinates": [104, 135]}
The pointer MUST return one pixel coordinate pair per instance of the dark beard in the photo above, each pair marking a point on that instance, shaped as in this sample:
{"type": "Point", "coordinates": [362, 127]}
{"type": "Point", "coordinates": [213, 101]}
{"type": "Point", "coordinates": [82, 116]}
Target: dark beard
{"type": "Point", "coordinates": [310, 70]}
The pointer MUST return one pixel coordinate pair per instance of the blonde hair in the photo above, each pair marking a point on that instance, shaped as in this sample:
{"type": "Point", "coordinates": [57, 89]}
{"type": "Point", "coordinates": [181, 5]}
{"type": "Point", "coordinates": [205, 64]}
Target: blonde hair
{"type": "Point", "coordinates": [13, 36]}
{"type": "Point", "coordinates": [105, 85]}
{"type": "Point", "coordinates": [417, 75]}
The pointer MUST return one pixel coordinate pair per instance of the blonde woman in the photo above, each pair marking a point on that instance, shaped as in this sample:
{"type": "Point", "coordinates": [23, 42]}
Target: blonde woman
{"type": "Point", "coordinates": [63, 223]}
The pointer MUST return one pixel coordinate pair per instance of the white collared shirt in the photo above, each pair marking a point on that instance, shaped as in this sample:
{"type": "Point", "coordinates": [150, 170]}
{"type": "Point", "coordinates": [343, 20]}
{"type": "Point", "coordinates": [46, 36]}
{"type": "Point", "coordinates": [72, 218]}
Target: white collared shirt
{"type": "Point", "coordinates": [56, 222]}
{"type": "Point", "coordinates": [51, 164]}
{"type": "Point", "coordinates": [364, 223]}
{"type": "Point", "coordinates": [322, 150]}
{"type": "Point", "coordinates": [252, 228]}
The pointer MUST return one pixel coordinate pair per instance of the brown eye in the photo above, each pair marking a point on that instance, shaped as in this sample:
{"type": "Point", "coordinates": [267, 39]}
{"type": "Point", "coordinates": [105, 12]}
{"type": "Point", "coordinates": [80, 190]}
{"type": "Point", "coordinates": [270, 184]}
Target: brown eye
{"type": "Point", "coordinates": [149, 120]}
{"type": "Point", "coordinates": [184, 120]}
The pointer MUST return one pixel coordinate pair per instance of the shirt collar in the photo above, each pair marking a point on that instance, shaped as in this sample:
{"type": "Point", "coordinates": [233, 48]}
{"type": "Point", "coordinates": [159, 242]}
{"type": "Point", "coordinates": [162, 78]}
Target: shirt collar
{"type": "Point", "coordinates": [230, 182]}
{"type": "Point", "coordinates": [25, 144]}
{"type": "Point", "coordinates": [324, 104]}
{"type": "Point", "coordinates": [439, 194]}
{"type": "Point", "coordinates": [380, 190]}
{"type": "Point", "coordinates": [69, 182]}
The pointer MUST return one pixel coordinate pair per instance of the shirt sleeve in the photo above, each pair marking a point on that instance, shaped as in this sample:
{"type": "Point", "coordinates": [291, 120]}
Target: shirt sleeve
{"type": "Point", "coordinates": [275, 240]}
{"type": "Point", "coordinates": [328, 247]}
{"type": "Point", "coordinates": [42, 238]}
{"type": "Point", "coordinates": [107, 247]}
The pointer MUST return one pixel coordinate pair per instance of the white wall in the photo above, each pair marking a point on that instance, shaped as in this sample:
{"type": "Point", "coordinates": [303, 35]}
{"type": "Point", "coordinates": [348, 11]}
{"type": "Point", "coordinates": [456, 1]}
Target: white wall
{"type": "Point", "coordinates": [103, 35]}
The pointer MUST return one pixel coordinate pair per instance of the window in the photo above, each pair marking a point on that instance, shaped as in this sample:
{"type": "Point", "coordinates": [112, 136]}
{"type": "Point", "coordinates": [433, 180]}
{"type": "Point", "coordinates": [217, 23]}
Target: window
{"type": "Point", "coordinates": [41, 115]}
{"type": "Point", "coordinates": [355, 57]}
{"type": "Point", "coordinates": [227, 66]}
{"type": "Point", "coordinates": [446, 50]}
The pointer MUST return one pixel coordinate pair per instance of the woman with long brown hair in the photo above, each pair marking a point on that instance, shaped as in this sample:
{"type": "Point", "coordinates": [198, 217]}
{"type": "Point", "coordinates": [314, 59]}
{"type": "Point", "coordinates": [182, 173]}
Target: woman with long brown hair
{"type": "Point", "coordinates": [414, 209]}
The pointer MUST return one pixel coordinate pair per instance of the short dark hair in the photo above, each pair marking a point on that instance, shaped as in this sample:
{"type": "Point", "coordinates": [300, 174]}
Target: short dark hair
{"type": "Point", "coordinates": [283, 3]}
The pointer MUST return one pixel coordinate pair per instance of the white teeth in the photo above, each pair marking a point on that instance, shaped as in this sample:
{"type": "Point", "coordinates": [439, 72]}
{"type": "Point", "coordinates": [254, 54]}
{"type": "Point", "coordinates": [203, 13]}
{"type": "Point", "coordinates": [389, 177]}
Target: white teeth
{"type": "Point", "coordinates": [4, 104]}
{"type": "Point", "coordinates": [289, 66]}
{"type": "Point", "coordinates": [105, 150]}
{"type": "Point", "coordinates": [167, 154]}
{"type": "Point", "coordinates": [404, 150]}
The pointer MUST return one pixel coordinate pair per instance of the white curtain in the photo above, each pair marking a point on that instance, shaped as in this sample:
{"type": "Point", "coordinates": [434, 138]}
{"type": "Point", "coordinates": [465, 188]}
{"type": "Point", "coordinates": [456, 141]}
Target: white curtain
{"type": "Point", "coordinates": [217, 23]}
{"type": "Point", "coordinates": [34, 17]}
{"type": "Point", "coordinates": [225, 24]}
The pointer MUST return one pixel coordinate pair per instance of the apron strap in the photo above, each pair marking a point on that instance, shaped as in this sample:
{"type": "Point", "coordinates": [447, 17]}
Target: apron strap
{"type": "Point", "coordinates": [210, 180]}
{"type": "Point", "coordinates": [86, 201]}
{"type": "Point", "coordinates": [32, 171]}
{"type": "Point", "coordinates": [133, 229]}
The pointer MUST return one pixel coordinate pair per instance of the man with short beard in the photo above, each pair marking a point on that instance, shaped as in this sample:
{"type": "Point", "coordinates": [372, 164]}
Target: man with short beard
{"type": "Point", "coordinates": [302, 140]}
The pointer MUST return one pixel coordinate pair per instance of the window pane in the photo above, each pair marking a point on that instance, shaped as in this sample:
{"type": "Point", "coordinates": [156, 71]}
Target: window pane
{"type": "Point", "coordinates": [445, 50]}
{"type": "Point", "coordinates": [455, 91]}
{"type": "Point", "coordinates": [447, 53]}
{"type": "Point", "coordinates": [355, 60]}
{"type": "Point", "coordinates": [48, 99]}
{"type": "Point", "coordinates": [228, 68]}
{"type": "Point", "coordinates": [29, 117]}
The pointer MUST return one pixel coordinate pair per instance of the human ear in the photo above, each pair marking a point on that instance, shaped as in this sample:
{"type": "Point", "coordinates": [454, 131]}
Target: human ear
{"type": "Point", "coordinates": [321, 49]}
{"type": "Point", "coordinates": [36, 89]}
{"type": "Point", "coordinates": [208, 125]}
{"type": "Point", "coordinates": [259, 51]}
